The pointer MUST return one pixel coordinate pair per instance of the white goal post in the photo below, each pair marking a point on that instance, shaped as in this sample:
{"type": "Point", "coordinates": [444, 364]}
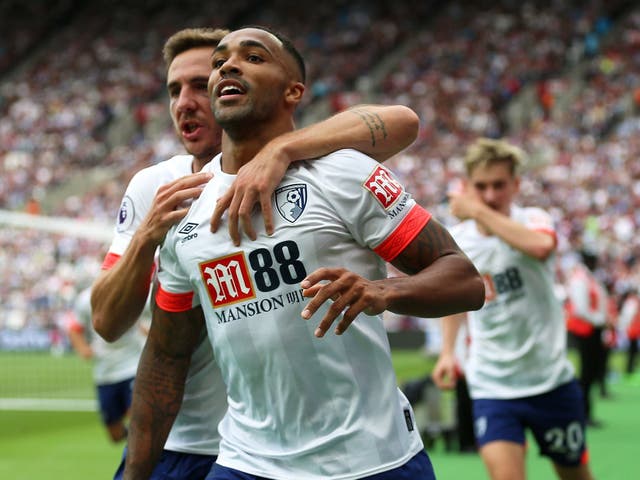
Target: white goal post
{"type": "Point", "coordinates": [35, 373]}
{"type": "Point", "coordinates": [68, 226]}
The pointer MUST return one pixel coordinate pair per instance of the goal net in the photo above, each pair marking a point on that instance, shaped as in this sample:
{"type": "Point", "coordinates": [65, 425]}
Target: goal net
{"type": "Point", "coordinates": [45, 262]}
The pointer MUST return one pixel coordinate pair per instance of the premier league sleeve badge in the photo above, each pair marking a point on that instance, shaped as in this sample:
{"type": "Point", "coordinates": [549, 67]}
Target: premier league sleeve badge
{"type": "Point", "coordinates": [126, 214]}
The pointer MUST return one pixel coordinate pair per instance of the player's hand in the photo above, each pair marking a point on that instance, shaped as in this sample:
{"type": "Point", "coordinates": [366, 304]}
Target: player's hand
{"type": "Point", "coordinates": [171, 204]}
{"type": "Point", "coordinates": [349, 294]}
{"type": "Point", "coordinates": [463, 203]}
{"type": "Point", "coordinates": [86, 353]}
{"type": "Point", "coordinates": [445, 372]}
{"type": "Point", "coordinates": [254, 184]}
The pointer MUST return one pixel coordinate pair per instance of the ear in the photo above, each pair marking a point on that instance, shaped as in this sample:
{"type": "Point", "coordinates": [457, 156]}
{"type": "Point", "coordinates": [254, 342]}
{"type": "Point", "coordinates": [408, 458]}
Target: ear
{"type": "Point", "coordinates": [294, 93]}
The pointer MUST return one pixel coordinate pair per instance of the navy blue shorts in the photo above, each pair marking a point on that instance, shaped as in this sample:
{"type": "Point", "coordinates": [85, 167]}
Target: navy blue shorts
{"type": "Point", "coordinates": [176, 466]}
{"type": "Point", "coordinates": [114, 400]}
{"type": "Point", "coordinates": [555, 418]}
{"type": "Point", "coordinates": [418, 468]}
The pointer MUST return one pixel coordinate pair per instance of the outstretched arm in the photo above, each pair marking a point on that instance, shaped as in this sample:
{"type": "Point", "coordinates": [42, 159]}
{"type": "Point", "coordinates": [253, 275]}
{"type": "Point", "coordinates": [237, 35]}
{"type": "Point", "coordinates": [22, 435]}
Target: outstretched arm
{"type": "Point", "coordinates": [119, 294]}
{"type": "Point", "coordinates": [159, 386]}
{"type": "Point", "coordinates": [440, 281]}
{"type": "Point", "coordinates": [376, 130]}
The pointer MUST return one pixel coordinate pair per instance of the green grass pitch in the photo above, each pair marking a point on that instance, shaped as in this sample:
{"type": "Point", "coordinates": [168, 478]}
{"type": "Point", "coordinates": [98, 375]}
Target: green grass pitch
{"type": "Point", "coordinates": [73, 445]}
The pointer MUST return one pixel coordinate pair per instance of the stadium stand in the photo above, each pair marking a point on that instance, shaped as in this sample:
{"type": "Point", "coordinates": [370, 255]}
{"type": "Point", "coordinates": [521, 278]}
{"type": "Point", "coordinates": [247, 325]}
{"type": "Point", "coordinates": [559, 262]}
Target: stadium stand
{"type": "Point", "coordinates": [82, 107]}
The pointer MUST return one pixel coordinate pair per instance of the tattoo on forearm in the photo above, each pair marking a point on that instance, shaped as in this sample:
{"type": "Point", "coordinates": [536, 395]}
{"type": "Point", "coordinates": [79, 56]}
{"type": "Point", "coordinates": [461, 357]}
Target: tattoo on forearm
{"type": "Point", "coordinates": [159, 386]}
{"type": "Point", "coordinates": [432, 242]}
{"type": "Point", "coordinates": [373, 122]}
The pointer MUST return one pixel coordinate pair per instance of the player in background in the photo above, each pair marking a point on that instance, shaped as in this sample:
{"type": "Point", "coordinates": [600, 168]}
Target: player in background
{"type": "Point", "coordinates": [587, 314]}
{"type": "Point", "coordinates": [154, 201]}
{"type": "Point", "coordinates": [517, 371]}
{"type": "Point", "coordinates": [629, 323]}
{"type": "Point", "coordinates": [114, 368]}
{"type": "Point", "coordinates": [299, 406]}
{"type": "Point", "coordinates": [610, 339]}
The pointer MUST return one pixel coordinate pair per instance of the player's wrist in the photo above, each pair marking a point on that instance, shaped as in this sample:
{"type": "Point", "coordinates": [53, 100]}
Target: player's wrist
{"type": "Point", "coordinates": [483, 215]}
{"type": "Point", "coordinates": [478, 211]}
{"type": "Point", "coordinates": [282, 150]}
{"type": "Point", "coordinates": [146, 241]}
{"type": "Point", "coordinates": [446, 353]}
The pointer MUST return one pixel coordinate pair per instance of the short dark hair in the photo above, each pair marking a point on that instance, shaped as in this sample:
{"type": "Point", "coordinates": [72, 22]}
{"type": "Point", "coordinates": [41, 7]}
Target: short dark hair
{"type": "Point", "coordinates": [189, 38]}
{"type": "Point", "coordinates": [288, 46]}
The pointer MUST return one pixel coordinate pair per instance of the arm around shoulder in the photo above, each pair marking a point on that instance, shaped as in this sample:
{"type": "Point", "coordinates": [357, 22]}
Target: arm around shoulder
{"type": "Point", "coordinates": [380, 131]}
{"type": "Point", "coordinates": [377, 130]}
{"type": "Point", "coordinates": [392, 128]}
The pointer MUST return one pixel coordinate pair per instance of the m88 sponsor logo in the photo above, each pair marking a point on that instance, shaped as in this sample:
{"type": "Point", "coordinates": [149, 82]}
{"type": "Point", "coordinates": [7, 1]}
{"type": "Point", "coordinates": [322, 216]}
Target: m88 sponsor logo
{"type": "Point", "coordinates": [236, 278]}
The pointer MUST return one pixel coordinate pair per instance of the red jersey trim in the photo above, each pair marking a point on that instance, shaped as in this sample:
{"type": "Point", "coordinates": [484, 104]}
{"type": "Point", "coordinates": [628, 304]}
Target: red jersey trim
{"type": "Point", "coordinates": [579, 327]}
{"type": "Point", "coordinates": [584, 458]}
{"type": "Point", "coordinates": [575, 324]}
{"type": "Point", "coordinates": [548, 232]}
{"type": "Point", "coordinates": [633, 331]}
{"type": "Point", "coordinates": [174, 302]}
{"type": "Point", "coordinates": [404, 233]}
{"type": "Point", "coordinates": [110, 260]}
{"type": "Point", "coordinates": [74, 326]}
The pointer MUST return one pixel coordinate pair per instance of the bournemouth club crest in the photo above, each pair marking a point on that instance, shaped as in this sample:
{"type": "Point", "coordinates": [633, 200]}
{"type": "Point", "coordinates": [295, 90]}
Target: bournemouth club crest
{"type": "Point", "coordinates": [291, 200]}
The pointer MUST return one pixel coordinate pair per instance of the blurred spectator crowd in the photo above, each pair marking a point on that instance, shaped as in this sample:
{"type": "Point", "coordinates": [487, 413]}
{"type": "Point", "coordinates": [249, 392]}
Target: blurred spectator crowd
{"type": "Point", "coordinates": [82, 89]}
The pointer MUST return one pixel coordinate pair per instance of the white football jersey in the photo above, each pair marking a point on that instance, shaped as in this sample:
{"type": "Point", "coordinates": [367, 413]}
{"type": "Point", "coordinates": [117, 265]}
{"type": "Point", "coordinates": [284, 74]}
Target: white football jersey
{"type": "Point", "coordinates": [195, 429]}
{"type": "Point", "coordinates": [588, 296]}
{"type": "Point", "coordinates": [299, 406]}
{"type": "Point", "coordinates": [113, 362]}
{"type": "Point", "coordinates": [518, 338]}
{"type": "Point", "coordinates": [629, 313]}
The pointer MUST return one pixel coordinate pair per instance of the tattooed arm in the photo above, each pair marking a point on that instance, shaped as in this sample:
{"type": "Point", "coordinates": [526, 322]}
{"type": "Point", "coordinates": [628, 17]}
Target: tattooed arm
{"type": "Point", "coordinates": [440, 281]}
{"type": "Point", "coordinates": [379, 131]}
{"type": "Point", "coordinates": [391, 129]}
{"type": "Point", "coordinates": [159, 386]}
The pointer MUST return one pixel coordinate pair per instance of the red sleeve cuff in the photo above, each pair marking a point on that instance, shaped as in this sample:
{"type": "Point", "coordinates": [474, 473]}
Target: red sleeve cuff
{"type": "Point", "coordinates": [74, 326]}
{"type": "Point", "coordinates": [404, 233]}
{"type": "Point", "coordinates": [174, 302]}
{"type": "Point", "coordinates": [548, 231]}
{"type": "Point", "coordinates": [110, 260]}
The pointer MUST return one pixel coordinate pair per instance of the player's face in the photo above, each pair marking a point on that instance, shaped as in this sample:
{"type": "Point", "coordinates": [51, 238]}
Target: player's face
{"type": "Point", "coordinates": [189, 103]}
{"type": "Point", "coordinates": [250, 78]}
{"type": "Point", "coordinates": [495, 185]}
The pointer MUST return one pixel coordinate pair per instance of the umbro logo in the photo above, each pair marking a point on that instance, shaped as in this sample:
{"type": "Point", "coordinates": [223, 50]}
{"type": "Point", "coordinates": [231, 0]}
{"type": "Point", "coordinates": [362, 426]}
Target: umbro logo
{"type": "Point", "coordinates": [189, 237]}
{"type": "Point", "coordinates": [187, 228]}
